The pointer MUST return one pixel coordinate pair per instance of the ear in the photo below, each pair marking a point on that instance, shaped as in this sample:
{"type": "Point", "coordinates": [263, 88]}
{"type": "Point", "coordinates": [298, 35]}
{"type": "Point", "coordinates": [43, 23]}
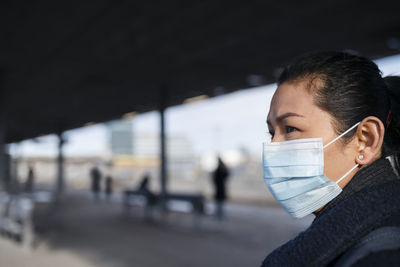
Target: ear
{"type": "Point", "coordinates": [369, 136]}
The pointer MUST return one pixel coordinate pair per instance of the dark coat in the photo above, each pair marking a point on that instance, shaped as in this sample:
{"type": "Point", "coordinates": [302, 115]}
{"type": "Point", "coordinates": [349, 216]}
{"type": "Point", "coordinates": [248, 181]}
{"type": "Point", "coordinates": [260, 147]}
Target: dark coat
{"type": "Point", "coordinates": [220, 176]}
{"type": "Point", "coordinates": [370, 201]}
{"type": "Point", "coordinates": [96, 177]}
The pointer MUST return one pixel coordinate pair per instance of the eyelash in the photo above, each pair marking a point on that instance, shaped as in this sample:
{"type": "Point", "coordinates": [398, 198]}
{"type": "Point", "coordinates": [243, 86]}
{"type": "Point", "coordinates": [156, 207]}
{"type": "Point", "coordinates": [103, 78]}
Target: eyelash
{"type": "Point", "coordinates": [289, 129]}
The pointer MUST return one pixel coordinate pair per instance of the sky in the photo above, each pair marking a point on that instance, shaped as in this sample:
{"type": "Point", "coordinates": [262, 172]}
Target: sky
{"type": "Point", "coordinates": [228, 122]}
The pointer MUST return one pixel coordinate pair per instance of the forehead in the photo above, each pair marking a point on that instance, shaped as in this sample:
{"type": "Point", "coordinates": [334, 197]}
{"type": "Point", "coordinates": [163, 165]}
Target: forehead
{"type": "Point", "coordinates": [293, 97]}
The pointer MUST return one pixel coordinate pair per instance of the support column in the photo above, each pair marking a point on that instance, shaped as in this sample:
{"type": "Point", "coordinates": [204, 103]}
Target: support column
{"type": "Point", "coordinates": [4, 179]}
{"type": "Point", "coordinates": [60, 166]}
{"type": "Point", "coordinates": [163, 152]}
{"type": "Point", "coordinates": [163, 158]}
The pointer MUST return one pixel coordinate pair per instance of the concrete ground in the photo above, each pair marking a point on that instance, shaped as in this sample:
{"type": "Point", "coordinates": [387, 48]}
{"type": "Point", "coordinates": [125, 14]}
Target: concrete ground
{"type": "Point", "coordinates": [83, 233]}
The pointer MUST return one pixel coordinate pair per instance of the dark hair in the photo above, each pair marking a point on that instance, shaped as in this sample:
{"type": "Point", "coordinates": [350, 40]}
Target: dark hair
{"type": "Point", "coordinates": [350, 88]}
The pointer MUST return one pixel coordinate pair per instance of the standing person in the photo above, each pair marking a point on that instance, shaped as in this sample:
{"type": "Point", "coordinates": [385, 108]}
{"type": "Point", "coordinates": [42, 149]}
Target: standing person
{"type": "Point", "coordinates": [220, 176]}
{"type": "Point", "coordinates": [30, 181]}
{"type": "Point", "coordinates": [95, 175]}
{"type": "Point", "coordinates": [108, 187]}
{"type": "Point", "coordinates": [334, 122]}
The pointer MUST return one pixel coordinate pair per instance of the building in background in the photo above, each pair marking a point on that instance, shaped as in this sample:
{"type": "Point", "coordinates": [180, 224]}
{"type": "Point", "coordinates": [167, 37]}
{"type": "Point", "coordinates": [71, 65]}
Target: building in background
{"type": "Point", "coordinates": [121, 137]}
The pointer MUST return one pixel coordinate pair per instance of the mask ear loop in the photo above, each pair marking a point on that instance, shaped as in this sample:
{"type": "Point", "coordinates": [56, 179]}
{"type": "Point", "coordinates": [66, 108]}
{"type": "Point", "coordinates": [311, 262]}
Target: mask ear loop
{"type": "Point", "coordinates": [334, 140]}
{"type": "Point", "coordinates": [347, 173]}
{"type": "Point", "coordinates": [348, 130]}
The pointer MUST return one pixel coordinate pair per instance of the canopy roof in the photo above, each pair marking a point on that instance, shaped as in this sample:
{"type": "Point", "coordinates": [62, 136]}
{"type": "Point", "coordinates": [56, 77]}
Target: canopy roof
{"type": "Point", "coordinates": [67, 63]}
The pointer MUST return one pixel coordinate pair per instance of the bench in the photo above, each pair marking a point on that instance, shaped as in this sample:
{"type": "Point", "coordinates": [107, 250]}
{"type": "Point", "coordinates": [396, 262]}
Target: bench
{"type": "Point", "coordinates": [173, 202]}
{"type": "Point", "coordinates": [195, 201]}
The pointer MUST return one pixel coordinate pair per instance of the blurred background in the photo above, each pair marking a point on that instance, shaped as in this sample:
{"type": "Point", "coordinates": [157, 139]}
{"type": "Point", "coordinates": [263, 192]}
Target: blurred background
{"type": "Point", "coordinates": [131, 131]}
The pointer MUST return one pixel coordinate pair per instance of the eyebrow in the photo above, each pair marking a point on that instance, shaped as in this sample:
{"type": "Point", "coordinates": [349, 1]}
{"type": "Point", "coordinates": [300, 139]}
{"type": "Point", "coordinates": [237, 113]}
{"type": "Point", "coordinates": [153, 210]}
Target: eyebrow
{"type": "Point", "coordinates": [284, 116]}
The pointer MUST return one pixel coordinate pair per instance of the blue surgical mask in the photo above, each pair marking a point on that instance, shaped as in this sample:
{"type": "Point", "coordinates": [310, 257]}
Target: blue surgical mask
{"type": "Point", "coordinates": [293, 172]}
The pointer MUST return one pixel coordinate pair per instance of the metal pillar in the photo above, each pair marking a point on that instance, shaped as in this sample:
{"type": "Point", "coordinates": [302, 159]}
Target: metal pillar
{"type": "Point", "coordinates": [4, 179]}
{"type": "Point", "coordinates": [163, 152]}
{"type": "Point", "coordinates": [163, 170]}
{"type": "Point", "coordinates": [60, 166]}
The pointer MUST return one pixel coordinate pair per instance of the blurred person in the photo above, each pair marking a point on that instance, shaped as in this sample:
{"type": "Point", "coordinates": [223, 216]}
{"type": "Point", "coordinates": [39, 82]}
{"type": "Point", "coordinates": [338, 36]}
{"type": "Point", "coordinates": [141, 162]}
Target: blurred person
{"type": "Point", "coordinates": [108, 187]}
{"type": "Point", "coordinates": [29, 184]}
{"type": "Point", "coordinates": [220, 175]}
{"type": "Point", "coordinates": [95, 176]}
{"type": "Point", "coordinates": [334, 121]}
{"type": "Point", "coordinates": [144, 184]}
{"type": "Point", "coordinates": [144, 189]}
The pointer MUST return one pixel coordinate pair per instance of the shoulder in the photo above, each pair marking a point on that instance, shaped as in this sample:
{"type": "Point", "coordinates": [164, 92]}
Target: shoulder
{"type": "Point", "coordinates": [378, 201]}
{"type": "Point", "coordinates": [335, 232]}
{"type": "Point", "coordinates": [380, 247]}
{"type": "Point", "coordinates": [387, 258]}
{"type": "Point", "coordinates": [374, 217]}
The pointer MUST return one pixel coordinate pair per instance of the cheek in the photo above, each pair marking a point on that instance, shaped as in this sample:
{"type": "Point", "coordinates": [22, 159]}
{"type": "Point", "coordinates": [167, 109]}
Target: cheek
{"type": "Point", "coordinates": [331, 164]}
{"type": "Point", "coordinates": [336, 162]}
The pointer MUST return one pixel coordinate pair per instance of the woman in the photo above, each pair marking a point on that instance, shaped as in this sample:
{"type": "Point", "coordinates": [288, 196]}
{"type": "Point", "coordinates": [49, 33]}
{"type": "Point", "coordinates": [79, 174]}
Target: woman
{"type": "Point", "coordinates": [334, 121]}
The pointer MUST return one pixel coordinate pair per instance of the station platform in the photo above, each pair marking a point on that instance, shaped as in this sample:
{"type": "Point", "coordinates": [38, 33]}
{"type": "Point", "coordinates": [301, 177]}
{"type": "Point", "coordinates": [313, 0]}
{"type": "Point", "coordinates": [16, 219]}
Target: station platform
{"type": "Point", "coordinates": [84, 233]}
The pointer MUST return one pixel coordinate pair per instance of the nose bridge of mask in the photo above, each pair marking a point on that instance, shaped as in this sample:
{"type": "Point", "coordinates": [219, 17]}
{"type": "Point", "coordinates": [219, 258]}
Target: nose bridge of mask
{"type": "Point", "coordinates": [296, 158]}
{"type": "Point", "coordinates": [299, 152]}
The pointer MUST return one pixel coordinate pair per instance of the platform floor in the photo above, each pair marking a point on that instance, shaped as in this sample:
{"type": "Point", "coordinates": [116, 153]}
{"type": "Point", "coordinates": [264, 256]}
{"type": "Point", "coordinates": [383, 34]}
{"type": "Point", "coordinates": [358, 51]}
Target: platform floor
{"type": "Point", "coordinates": [84, 233]}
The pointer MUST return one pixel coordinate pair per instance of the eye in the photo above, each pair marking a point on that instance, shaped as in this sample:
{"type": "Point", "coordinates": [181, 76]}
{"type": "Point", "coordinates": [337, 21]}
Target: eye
{"type": "Point", "coordinates": [290, 129]}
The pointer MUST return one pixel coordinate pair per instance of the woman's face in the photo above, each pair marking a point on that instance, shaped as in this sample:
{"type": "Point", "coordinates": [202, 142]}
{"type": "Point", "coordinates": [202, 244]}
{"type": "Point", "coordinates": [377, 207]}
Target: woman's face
{"type": "Point", "coordinates": [293, 115]}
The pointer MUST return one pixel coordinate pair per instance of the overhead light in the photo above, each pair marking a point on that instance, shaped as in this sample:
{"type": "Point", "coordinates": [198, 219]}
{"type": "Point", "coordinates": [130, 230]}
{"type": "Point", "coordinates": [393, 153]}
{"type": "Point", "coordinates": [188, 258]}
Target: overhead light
{"type": "Point", "coordinates": [195, 99]}
{"type": "Point", "coordinates": [129, 115]}
{"type": "Point", "coordinates": [89, 123]}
